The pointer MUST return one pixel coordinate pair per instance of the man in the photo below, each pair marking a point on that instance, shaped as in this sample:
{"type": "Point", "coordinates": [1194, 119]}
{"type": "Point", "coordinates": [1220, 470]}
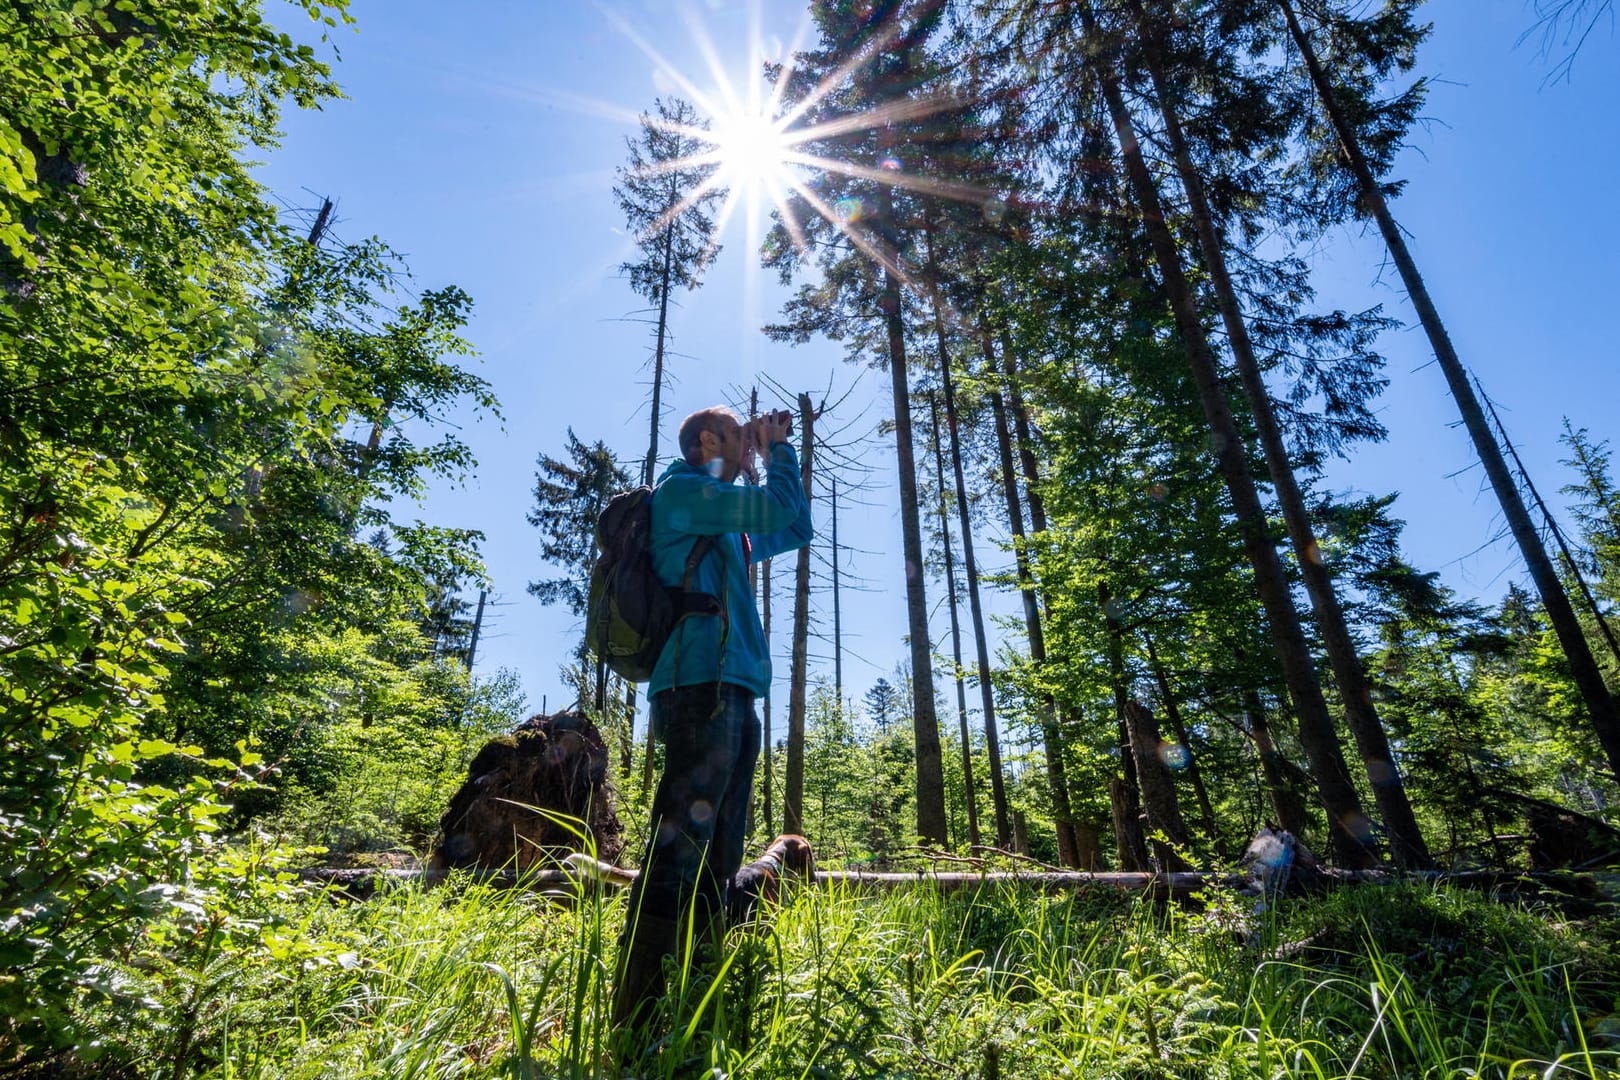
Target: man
{"type": "Point", "coordinates": [703, 688]}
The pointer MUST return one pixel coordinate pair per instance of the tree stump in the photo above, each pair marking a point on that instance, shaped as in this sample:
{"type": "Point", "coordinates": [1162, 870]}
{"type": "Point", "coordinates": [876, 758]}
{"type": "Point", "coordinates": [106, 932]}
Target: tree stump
{"type": "Point", "coordinates": [531, 798]}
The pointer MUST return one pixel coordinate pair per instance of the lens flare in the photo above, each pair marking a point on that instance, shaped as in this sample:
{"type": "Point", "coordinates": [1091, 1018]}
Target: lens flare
{"type": "Point", "coordinates": [1174, 755]}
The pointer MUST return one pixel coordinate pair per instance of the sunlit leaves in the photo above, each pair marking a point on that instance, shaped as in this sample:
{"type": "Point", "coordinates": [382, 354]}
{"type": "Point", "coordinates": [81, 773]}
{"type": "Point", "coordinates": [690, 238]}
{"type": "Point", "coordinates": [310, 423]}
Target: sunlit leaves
{"type": "Point", "coordinates": [181, 481]}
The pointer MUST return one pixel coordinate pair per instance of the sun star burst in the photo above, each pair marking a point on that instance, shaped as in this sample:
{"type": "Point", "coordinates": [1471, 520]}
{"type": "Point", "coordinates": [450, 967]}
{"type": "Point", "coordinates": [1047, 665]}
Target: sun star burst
{"type": "Point", "coordinates": [755, 145]}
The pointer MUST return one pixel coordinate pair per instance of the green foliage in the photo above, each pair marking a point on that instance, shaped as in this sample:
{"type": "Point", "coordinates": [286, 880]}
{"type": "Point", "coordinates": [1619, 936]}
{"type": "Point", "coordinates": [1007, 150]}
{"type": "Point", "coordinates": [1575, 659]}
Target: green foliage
{"type": "Point", "coordinates": [468, 982]}
{"type": "Point", "coordinates": [569, 495]}
{"type": "Point", "coordinates": [668, 201]}
{"type": "Point", "coordinates": [382, 786]}
{"type": "Point", "coordinates": [184, 600]}
{"type": "Point", "coordinates": [1597, 511]}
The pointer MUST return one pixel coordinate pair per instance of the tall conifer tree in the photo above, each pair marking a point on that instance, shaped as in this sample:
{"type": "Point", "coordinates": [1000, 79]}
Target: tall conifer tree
{"type": "Point", "coordinates": [666, 194]}
{"type": "Point", "coordinates": [1371, 49]}
{"type": "Point", "coordinates": [864, 89]}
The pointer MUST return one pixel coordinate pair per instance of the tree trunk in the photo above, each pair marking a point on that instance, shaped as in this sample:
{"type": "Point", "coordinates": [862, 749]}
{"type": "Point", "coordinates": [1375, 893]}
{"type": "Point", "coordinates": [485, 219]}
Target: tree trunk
{"type": "Point", "coordinates": [956, 626]}
{"type": "Point", "coordinates": [766, 781]}
{"type": "Point", "coordinates": [931, 825]}
{"type": "Point", "coordinates": [1086, 845]}
{"type": "Point", "coordinates": [1117, 681]}
{"type": "Point", "coordinates": [1346, 822]}
{"type": "Point", "coordinates": [1087, 851]}
{"type": "Point", "coordinates": [1285, 800]}
{"type": "Point", "coordinates": [625, 725]}
{"type": "Point", "coordinates": [1195, 775]}
{"type": "Point", "coordinates": [477, 629]}
{"type": "Point", "coordinates": [987, 694]}
{"type": "Point", "coordinates": [1157, 789]}
{"type": "Point", "coordinates": [1025, 440]}
{"type": "Point", "coordinates": [1599, 703]}
{"type": "Point", "coordinates": [793, 791]}
{"type": "Point", "coordinates": [650, 465]}
{"type": "Point", "coordinates": [1571, 566]}
{"type": "Point", "coordinates": [1407, 847]}
{"type": "Point", "coordinates": [1056, 774]}
{"type": "Point", "coordinates": [1133, 854]}
{"type": "Point", "coordinates": [838, 612]}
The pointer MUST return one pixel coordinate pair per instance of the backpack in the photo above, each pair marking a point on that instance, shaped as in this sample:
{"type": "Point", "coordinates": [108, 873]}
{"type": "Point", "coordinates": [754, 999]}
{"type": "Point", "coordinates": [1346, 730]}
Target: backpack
{"type": "Point", "coordinates": [631, 613]}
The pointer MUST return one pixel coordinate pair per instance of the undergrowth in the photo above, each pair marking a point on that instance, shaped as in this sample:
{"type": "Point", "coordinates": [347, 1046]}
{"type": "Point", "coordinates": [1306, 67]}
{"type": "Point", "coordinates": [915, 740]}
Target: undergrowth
{"type": "Point", "coordinates": [464, 981]}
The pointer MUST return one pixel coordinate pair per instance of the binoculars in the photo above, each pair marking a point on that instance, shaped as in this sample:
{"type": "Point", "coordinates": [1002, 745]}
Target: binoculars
{"type": "Point", "coordinates": [781, 415]}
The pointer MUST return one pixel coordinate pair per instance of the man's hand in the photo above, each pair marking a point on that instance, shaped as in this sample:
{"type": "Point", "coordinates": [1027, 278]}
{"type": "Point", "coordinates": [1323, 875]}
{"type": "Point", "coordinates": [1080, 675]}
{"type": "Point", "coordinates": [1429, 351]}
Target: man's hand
{"type": "Point", "coordinates": [758, 435]}
{"type": "Point", "coordinates": [773, 427]}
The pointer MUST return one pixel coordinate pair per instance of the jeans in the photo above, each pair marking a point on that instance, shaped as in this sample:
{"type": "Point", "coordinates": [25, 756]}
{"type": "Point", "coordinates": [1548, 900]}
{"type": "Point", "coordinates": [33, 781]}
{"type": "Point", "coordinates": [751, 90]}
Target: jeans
{"type": "Point", "coordinates": [700, 811]}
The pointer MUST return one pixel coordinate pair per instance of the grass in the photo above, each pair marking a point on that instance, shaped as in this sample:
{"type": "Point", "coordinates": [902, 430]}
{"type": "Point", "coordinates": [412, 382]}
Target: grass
{"type": "Point", "coordinates": [1402, 981]}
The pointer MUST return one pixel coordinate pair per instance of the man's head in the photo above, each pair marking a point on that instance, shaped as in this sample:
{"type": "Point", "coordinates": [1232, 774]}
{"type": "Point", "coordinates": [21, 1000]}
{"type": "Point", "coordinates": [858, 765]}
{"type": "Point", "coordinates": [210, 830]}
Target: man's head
{"type": "Point", "coordinates": [713, 438]}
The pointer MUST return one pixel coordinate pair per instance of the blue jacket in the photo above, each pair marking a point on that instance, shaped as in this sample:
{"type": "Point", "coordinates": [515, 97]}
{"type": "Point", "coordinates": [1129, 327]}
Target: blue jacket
{"type": "Point", "coordinates": [689, 503]}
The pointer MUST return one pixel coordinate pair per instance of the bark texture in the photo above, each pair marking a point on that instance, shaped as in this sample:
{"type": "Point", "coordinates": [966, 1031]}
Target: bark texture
{"type": "Point", "coordinates": [931, 819]}
{"type": "Point", "coordinates": [793, 793]}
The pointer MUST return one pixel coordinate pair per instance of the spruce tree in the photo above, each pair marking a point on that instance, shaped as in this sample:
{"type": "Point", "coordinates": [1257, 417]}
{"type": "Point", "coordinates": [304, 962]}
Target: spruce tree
{"type": "Point", "coordinates": [667, 194]}
{"type": "Point", "coordinates": [570, 493]}
{"type": "Point", "coordinates": [1370, 49]}
{"type": "Point", "coordinates": [854, 94]}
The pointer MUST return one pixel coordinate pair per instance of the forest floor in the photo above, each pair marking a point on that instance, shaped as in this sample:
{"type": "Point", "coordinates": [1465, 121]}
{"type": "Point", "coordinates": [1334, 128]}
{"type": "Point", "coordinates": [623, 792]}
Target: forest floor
{"type": "Point", "coordinates": [467, 981]}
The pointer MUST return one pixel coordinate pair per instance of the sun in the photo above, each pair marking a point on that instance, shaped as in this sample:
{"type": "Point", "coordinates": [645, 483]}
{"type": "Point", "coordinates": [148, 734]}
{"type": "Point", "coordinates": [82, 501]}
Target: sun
{"type": "Point", "coordinates": [752, 150]}
{"type": "Point", "coordinates": [755, 140]}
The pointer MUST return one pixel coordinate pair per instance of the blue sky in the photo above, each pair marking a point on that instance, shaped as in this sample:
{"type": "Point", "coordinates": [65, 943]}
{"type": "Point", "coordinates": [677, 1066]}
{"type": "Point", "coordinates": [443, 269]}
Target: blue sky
{"type": "Point", "coordinates": [480, 141]}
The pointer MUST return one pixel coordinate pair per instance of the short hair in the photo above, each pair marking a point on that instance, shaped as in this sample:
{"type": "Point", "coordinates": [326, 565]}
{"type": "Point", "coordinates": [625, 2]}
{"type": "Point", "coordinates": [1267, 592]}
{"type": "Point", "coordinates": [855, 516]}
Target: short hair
{"type": "Point", "coordinates": [693, 427]}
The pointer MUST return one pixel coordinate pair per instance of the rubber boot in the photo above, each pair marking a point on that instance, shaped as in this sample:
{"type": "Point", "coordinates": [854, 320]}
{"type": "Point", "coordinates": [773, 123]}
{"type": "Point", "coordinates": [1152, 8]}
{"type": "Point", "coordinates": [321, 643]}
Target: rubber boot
{"type": "Point", "coordinates": [638, 983]}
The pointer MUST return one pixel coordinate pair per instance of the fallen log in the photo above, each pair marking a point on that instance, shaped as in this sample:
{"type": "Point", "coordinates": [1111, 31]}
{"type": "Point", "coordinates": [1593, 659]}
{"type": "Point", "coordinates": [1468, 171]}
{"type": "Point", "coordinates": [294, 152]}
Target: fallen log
{"type": "Point", "coordinates": [1274, 864]}
{"type": "Point", "coordinates": [1578, 895]}
{"type": "Point", "coordinates": [578, 878]}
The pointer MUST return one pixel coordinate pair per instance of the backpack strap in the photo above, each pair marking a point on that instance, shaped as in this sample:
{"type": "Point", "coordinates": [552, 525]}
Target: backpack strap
{"type": "Point", "coordinates": [688, 602]}
{"type": "Point", "coordinates": [700, 548]}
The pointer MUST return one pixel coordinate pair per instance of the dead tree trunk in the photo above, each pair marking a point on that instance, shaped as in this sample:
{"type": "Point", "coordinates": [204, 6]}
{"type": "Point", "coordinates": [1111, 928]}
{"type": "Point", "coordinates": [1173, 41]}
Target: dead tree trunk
{"type": "Point", "coordinates": [838, 611]}
{"type": "Point", "coordinates": [793, 790]}
{"type": "Point", "coordinates": [767, 781]}
{"type": "Point", "coordinates": [1127, 810]}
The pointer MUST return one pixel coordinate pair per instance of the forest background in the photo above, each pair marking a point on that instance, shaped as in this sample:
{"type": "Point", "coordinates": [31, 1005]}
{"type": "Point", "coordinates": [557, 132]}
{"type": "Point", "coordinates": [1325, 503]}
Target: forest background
{"type": "Point", "coordinates": [230, 645]}
{"type": "Point", "coordinates": [486, 148]}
